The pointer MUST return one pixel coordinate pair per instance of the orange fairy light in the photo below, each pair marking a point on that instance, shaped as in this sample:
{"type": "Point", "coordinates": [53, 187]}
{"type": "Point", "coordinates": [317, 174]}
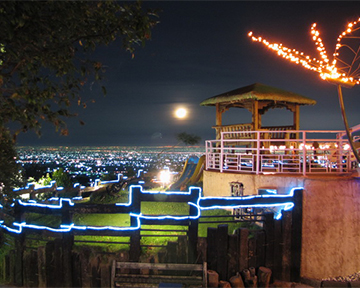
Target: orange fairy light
{"type": "Point", "coordinates": [343, 70]}
{"type": "Point", "coordinates": [337, 70]}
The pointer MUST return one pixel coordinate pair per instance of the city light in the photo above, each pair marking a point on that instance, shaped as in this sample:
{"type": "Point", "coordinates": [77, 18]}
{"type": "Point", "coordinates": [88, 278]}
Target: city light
{"type": "Point", "coordinates": [164, 176]}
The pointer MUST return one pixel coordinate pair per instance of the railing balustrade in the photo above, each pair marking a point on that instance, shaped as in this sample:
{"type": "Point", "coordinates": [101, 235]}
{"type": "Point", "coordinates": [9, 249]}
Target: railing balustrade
{"type": "Point", "coordinates": [312, 152]}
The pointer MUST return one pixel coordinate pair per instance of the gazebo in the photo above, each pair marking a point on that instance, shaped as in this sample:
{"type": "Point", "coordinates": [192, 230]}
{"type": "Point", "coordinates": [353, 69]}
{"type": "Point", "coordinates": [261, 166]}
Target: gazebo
{"type": "Point", "coordinates": [258, 99]}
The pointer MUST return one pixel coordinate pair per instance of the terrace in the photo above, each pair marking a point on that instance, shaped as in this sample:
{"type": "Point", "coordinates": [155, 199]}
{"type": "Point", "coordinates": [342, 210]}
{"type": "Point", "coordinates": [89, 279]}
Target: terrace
{"type": "Point", "coordinates": [274, 152]}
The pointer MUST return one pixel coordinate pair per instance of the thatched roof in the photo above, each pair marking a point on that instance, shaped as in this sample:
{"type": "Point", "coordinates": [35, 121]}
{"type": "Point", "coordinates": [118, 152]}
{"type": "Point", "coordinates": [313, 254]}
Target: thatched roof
{"type": "Point", "coordinates": [258, 92]}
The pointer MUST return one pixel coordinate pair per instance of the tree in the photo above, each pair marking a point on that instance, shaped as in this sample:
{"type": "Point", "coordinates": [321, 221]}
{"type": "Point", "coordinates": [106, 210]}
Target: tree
{"type": "Point", "coordinates": [44, 54]}
{"type": "Point", "coordinates": [188, 139]}
{"type": "Point", "coordinates": [45, 59]}
{"type": "Point", "coordinates": [183, 137]}
{"type": "Point", "coordinates": [61, 177]}
{"type": "Point", "coordinates": [10, 175]}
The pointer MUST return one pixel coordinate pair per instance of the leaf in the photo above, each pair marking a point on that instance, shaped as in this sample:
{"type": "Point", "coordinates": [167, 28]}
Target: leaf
{"type": "Point", "coordinates": [103, 90]}
{"type": "Point", "coordinates": [64, 132]}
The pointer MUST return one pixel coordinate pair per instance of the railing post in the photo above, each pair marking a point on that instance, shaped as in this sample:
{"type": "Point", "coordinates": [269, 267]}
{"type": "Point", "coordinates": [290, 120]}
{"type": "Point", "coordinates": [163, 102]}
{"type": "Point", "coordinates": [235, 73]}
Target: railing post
{"type": "Point", "coordinates": [221, 152]}
{"type": "Point", "coordinates": [257, 152]}
{"type": "Point", "coordinates": [304, 153]}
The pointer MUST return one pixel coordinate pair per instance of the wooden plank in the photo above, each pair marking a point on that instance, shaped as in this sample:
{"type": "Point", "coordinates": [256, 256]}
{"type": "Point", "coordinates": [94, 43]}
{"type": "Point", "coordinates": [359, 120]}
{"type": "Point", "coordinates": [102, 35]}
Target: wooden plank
{"type": "Point", "coordinates": [58, 263]}
{"type": "Point", "coordinates": [182, 251]}
{"type": "Point", "coordinates": [50, 264]}
{"type": "Point", "coordinates": [67, 246]}
{"type": "Point", "coordinates": [286, 240]}
{"type": "Point", "coordinates": [269, 228]}
{"type": "Point", "coordinates": [222, 251]}
{"type": "Point", "coordinates": [252, 252]}
{"type": "Point", "coordinates": [159, 266]}
{"type": "Point", "coordinates": [277, 249]}
{"type": "Point", "coordinates": [296, 236]}
{"type": "Point", "coordinates": [211, 250]}
{"type": "Point", "coordinates": [243, 235]}
{"type": "Point", "coordinates": [171, 249]}
{"type": "Point", "coordinates": [113, 271]}
{"type": "Point", "coordinates": [233, 260]}
{"type": "Point", "coordinates": [260, 248]}
{"type": "Point", "coordinates": [41, 266]}
{"type": "Point", "coordinates": [19, 246]}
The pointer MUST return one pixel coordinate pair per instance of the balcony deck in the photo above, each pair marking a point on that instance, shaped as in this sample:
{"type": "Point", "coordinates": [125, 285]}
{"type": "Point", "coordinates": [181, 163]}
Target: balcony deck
{"type": "Point", "coordinates": [311, 152]}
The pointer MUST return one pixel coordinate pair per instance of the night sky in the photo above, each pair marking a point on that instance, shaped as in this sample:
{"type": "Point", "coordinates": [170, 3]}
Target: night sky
{"type": "Point", "coordinates": [201, 49]}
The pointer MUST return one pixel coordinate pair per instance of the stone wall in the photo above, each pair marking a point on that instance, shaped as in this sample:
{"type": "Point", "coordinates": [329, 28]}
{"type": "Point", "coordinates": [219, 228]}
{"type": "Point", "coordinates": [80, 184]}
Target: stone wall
{"type": "Point", "coordinates": [331, 217]}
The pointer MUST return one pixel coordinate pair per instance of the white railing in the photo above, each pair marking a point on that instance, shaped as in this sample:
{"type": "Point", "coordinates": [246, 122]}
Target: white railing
{"type": "Point", "coordinates": [312, 152]}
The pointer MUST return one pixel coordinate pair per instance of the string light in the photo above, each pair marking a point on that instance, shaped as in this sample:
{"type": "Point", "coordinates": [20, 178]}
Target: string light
{"type": "Point", "coordinates": [345, 75]}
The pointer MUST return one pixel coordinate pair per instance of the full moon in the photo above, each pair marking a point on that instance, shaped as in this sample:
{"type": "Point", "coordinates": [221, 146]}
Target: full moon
{"type": "Point", "coordinates": [180, 113]}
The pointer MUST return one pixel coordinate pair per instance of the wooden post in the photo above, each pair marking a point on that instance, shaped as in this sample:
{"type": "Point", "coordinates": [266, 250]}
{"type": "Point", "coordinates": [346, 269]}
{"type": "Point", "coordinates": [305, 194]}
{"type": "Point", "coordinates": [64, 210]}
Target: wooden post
{"type": "Point", "coordinates": [278, 245]}
{"type": "Point", "coordinates": [252, 252]}
{"type": "Point", "coordinates": [171, 255]}
{"type": "Point", "coordinates": [85, 267]}
{"type": "Point", "coordinates": [218, 115]}
{"type": "Point", "coordinates": [58, 263]}
{"type": "Point", "coordinates": [67, 245]}
{"type": "Point", "coordinates": [243, 235]}
{"type": "Point", "coordinates": [182, 250]}
{"type": "Point", "coordinates": [211, 248]}
{"type": "Point", "coordinates": [260, 248]}
{"type": "Point", "coordinates": [41, 266]}
{"type": "Point", "coordinates": [193, 227]}
{"type": "Point", "coordinates": [76, 260]}
{"type": "Point", "coordinates": [286, 240]}
{"type": "Point", "coordinates": [222, 251]}
{"type": "Point", "coordinates": [50, 264]}
{"type": "Point", "coordinates": [296, 236]}
{"type": "Point", "coordinates": [297, 121]}
{"type": "Point", "coordinates": [234, 255]}
{"type": "Point", "coordinates": [135, 249]}
{"type": "Point", "coordinates": [255, 115]}
{"type": "Point", "coordinates": [269, 228]}
{"type": "Point", "coordinates": [19, 247]}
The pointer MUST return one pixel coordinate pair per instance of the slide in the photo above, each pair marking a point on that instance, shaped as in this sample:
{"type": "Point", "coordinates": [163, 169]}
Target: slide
{"type": "Point", "coordinates": [192, 173]}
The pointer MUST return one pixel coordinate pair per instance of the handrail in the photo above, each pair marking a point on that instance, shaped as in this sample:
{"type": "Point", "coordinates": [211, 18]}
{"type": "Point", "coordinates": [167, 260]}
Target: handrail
{"type": "Point", "coordinates": [314, 151]}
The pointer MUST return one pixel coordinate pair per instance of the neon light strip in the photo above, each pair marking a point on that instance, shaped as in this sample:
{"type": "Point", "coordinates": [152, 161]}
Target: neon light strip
{"type": "Point", "coordinates": [51, 206]}
{"type": "Point", "coordinates": [66, 228]}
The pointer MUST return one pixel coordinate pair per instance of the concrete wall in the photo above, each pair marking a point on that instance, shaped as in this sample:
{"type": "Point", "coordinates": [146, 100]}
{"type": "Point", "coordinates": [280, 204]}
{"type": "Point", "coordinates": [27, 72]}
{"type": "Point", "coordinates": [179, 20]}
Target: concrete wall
{"type": "Point", "coordinates": [331, 217]}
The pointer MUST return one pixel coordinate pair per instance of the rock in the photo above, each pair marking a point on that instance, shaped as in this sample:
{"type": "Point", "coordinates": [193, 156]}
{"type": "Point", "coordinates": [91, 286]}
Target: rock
{"type": "Point", "coordinates": [224, 284]}
{"type": "Point", "coordinates": [213, 278]}
{"type": "Point", "coordinates": [264, 275]}
{"type": "Point", "coordinates": [249, 277]}
{"type": "Point", "coordinates": [282, 284]}
{"type": "Point", "coordinates": [236, 281]}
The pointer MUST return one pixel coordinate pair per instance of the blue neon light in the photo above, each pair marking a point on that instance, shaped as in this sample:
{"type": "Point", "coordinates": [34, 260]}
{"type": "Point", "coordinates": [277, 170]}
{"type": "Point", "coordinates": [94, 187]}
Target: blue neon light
{"type": "Point", "coordinates": [66, 228]}
{"type": "Point", "coordinates": [51, 206]}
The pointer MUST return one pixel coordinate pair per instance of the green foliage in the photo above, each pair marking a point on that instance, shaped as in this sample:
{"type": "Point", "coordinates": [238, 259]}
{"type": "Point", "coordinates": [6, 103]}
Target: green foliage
{"type": "Point", "coordinates": [188, 139]}
{"type": "Point", "coordinates": [45, 180]}
{"type": "Point", "coordinates": [45, 54]}
{"type": "Point", "coordinates": [10, 171]}
{"type": "Point", "coordinates": [104, 197]}
{"type": "Point", "coordinates": [61, 177]}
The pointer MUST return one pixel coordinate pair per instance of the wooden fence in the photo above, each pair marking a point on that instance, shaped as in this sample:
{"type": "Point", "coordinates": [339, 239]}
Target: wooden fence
{"type": "Point", "coordinates": [277, 245]}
